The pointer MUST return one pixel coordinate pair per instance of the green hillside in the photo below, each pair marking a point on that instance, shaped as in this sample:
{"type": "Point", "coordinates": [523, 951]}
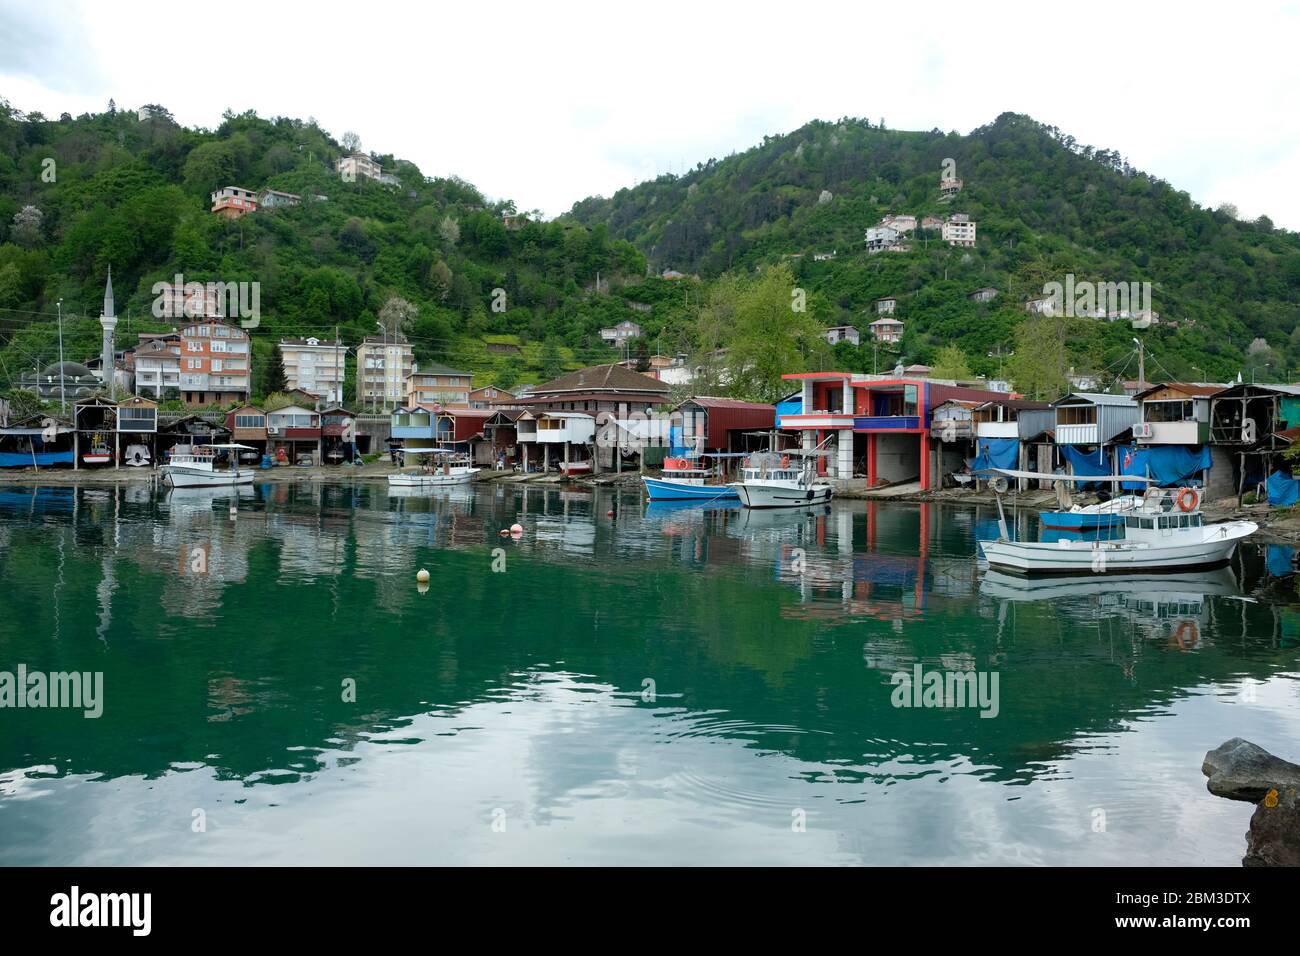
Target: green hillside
{"type": "Point", "coordinates": [110, 189]}
{"type": "Point", "coordinates": [1046, 206]}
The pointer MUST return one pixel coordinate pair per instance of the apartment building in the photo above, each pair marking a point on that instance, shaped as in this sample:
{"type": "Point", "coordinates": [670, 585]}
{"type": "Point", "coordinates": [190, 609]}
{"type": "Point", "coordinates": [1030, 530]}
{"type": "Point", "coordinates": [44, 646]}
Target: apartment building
{"type": "Point", "coordinates": [383, 365]}
{"type": "Point", "coordinates": [214, 363]}
{"type": "Point", "coordinates": [315, 366]}
{"type": "Point", "coordinates": [959, 230]}
{"type": "Point", "coordinates": [438, 385]}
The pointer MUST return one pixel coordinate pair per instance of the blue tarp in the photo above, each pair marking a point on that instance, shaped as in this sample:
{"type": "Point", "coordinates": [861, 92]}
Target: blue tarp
{"type": "Point", "coordinates": [1086, 463]}
{"type": "Point", "coordinates": [996, 453]}
{"type": "Point", "coordinates": [1283, 490]}
{"type": "Point", "coordinates": [1170, 465]}
{"type": "Point", "coordinates": [23, 459]}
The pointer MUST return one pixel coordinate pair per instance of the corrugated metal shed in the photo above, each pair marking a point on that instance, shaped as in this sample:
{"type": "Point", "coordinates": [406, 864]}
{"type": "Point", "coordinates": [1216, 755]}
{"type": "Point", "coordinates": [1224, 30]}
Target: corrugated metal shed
{"type": "Point", "coordinates": [1115, 413]}
{"type": "Point", "coordinates": [724, 415]}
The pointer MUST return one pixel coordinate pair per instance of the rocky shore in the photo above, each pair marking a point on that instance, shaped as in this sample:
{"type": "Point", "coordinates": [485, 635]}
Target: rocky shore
{"type": "Point", "coordinates": [1240, 770]}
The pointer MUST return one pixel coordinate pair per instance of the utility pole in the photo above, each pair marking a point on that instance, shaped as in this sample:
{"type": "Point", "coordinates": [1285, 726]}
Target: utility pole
{"type": "Point", "coordinates": [63, 392]}
{"type": "Point", "coordinates": [1142, 364]}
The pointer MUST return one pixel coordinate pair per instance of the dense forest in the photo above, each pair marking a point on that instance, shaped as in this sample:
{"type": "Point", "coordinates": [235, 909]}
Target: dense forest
{"type": "Point", "coordinates": [514, 298]}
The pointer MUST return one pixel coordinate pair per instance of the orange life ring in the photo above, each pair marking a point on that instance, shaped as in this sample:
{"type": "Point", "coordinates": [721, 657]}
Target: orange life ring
{"type": "Point", "coordinates": [785, 461]}
{"type": "Point", "coordinates": [1187, 499]}
{"type": "Point", "coordinates": [280, 454]}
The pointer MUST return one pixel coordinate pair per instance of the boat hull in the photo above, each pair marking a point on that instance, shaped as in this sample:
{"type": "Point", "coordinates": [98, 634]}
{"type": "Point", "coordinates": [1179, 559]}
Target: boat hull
{"type": "Point", "coordinates": [179, 476]}
{"type": "Point", "coordinates": [668, 489]}
{"type": "Point", "coordinates": [431, 481]}
{"type": "Point", "coordinates": [760, 495]}
{"type": "Point", "coordinates": [1034, 559]}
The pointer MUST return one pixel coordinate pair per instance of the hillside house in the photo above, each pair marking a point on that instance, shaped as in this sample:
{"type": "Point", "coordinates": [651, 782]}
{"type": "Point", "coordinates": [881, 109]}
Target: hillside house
{"type": "Point", "coordinates": [843, 333]}
{"type": "Point", "coordinates": [234, 201]}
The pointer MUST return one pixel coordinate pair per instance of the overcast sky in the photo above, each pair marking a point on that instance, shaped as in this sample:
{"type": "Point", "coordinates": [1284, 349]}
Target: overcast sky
{"type": "Point", "coordinates": [546, 103]}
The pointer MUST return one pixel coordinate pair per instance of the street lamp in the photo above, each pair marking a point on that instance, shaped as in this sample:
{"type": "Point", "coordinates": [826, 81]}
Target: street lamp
{"type": "Point", "coordinates": [1254, 367]}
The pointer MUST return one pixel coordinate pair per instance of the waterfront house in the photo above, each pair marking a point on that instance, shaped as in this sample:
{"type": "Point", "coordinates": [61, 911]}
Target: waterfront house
{"type": "Point", "coordinates": [1015, 433]}
{"type": "Point", "coordinates": [315, 366]}
{"type": "Point", "coordinates": [1173, 434]}
{"type": "Point", "coordinates": [137, 424]}
{"type": "Point", "coordinates": [338, 431]}
{"type": "Point", "coordinates": [1246, 425]}
{"type": "Point", "coordinates": [94, 420]}
{"type": "Point", "coordinates": [555, 439]}
{"type": "Point", "coordinates": [293, 431]}
{"type": "Point", "coordinates": [438, 384]}
{"type": "Point", "coordinates": [201, 429]}
{"type": "Point", "coordinates": [600, 388]}
{"type": "Point", "coordinates": [880, 424]}
{"type": "Point", "coordinates": [463, 428]}
{"type": "Point", "coordinates": [709, 424]}
{"type": "Point", "coordinates": [231, 202]}
{"type": "Point", "coordinates": [500, 434]}
{"type": "Point", "coordinates": [843, 333]}
{"type": "Point", "coordinates": [1088, 427]}
{"type": "Point", "coordinates": [247, 426]}
{"type": "Point", "coordinates": [413, 424]}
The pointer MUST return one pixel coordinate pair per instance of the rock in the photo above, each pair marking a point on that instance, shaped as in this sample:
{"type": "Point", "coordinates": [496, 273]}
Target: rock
{"type": "Point", "coordinates": [1274, 835]}
{"type": "Point", "coordinates": [1240, 770]}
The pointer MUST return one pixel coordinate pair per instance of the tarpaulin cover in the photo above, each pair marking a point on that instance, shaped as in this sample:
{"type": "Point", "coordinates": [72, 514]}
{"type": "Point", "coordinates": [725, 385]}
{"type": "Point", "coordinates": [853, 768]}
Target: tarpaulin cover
{"type": "Point", "coordinates": [1283, 490]}
{"type": "Point", "coordinates": [1086, 463]}
{"type": "Point", "coordinates": [996, 453]}
{"type": "Point", "coordinates": [23, 459]}
{"type": "Point", "coordinates": [1169, 465]}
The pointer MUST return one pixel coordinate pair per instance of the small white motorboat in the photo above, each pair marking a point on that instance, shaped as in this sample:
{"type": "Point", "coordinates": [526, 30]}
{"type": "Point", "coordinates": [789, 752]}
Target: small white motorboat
{"type": "Point", "coordinates": [195, 466]}
{"type": "Point", "coordinates": [137, 456]}
{"type": "Point", "coordinates": [1166, 533]}
{"type": "Point", "coordinates": [444, 466]}
{"type": "Point", "coordinates": [99, 453]}
{"type": "Point", "coordinates": [771, 480]}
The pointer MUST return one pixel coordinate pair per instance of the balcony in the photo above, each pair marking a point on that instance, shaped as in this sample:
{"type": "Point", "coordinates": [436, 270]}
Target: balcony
{"type": "Point", "coordinates": [1076, 434]}
{"type": "Point", "coordinates": [886, 423]}
{"type": "Point", "coordinates": [816, 419]}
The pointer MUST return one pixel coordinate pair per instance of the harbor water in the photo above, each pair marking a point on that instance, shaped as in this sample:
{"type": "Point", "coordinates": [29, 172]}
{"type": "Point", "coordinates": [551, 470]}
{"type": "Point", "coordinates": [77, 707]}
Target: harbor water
{"type": "Point", "coordinates": [669, 684]}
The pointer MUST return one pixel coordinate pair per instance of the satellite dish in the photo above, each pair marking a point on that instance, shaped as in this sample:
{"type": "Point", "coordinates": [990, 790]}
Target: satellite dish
{"type": "Point", "coordinates": [998, 484]}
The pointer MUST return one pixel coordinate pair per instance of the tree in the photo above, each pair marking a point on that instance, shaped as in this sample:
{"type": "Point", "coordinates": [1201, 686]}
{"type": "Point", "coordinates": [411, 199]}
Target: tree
{"type": "Point", "coordinates": [396, 317]}
{"type": "Point", "coordinates": [1039, 367]}
{"type": "Point", "coordinates": [509, 373]}
{"type": "Point", "coordinates": [27, 226]}
{"type": "Point", "coordinates": [276, 381]}
{"type": "Point", "coordinates": [449, 231]}
{"type": "Point", "coordinates": [551, 360]}
{"type": "Point", "coordinates": [950, 362]}
{"type": "Point", "coordinates": [351, 142]}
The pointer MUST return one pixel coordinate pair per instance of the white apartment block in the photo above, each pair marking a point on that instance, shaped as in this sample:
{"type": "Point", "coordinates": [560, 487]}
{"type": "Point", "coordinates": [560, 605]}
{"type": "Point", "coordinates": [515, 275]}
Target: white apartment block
{"type": "Point", "coordinates": [315, 366]}
{"type": "Point", "coordinates": [959, 231]}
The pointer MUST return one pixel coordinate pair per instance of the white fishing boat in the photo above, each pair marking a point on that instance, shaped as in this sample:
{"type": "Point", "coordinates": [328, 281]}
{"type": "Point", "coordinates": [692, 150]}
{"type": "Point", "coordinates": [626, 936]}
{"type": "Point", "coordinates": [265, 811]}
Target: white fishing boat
{"type": "Point", "coordinates": [781, 480]}
{"type": "Point", "coordinates": [196, 466]}
{"type": "Point", "coordinates": [442, 466]}
{"type": "Point", "coordinates": [1166, 533]}
{"type": "Point", "coordinates": [99, 452]}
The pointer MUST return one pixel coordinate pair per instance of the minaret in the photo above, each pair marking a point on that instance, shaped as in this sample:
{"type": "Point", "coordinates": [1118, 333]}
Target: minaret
{"type": "Point", "coordinates": [108, 322]}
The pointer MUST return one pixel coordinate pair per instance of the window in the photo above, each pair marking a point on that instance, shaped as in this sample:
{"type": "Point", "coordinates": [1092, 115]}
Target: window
{"type": "Point", "coordinates": [192, 346]}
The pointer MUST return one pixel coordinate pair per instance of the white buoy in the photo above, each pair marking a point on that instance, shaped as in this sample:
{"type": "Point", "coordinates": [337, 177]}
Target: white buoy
{"type": "Point", "coordinates": [516, 529]}
{"type": "Point", "coordinates": [422, 576]}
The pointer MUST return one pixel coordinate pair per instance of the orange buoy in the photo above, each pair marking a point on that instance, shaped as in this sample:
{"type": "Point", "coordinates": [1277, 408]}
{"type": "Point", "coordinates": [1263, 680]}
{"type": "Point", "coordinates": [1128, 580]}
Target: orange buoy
{"type": "Point", "coordinates": [1187, 499]}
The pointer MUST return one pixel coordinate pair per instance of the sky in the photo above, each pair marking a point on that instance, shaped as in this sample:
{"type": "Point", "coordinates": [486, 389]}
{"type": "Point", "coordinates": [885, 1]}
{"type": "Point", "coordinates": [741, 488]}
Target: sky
{"type": "Point", "coordinates": [547, 104]}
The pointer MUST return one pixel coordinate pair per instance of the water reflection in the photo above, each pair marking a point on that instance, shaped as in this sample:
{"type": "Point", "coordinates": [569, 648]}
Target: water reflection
{"type": "Point", "coordinates": [769, 638]}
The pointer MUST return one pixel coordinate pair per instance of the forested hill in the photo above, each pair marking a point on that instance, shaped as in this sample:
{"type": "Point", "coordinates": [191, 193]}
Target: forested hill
{"type": "Point", "coordinates": [1045, 206]}
{"type": "Point", "coordinates": [80, 194]}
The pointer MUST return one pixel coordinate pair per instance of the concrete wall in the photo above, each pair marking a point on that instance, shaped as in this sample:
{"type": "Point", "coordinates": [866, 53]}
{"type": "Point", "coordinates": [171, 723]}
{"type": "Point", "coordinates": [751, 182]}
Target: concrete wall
{"type": "Point", "coordinates": [1222, 479]}
{"type": "Point", "coordinates": [898, 457]}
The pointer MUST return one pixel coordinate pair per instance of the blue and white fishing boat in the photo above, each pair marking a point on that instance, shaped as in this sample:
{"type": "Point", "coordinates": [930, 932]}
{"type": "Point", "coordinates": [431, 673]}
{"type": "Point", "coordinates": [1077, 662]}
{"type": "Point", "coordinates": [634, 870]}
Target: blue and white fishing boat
{"type": "Point", "coordinates": [1103, 515]}
{"type": "Point", "coordinates": [684, 480]}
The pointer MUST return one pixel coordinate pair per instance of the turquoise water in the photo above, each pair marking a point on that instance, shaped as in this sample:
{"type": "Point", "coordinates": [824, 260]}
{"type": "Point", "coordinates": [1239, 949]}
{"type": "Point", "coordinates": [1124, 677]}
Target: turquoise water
{"type": "Point", "coordinates": [668, 685]}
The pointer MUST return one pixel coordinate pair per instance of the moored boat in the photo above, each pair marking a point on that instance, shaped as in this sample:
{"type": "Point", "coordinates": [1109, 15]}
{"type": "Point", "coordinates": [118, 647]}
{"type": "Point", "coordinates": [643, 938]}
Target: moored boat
{"type": "Point", "coordinates": [195, 466]}
{"type": "Point", "coordinates": [770, 480]}
{"type": "Point", "coordinates": [683, 482]}
{"type": "Point", "coordinates": [1165, 534]}
{"type": "Point", "coordinates": [99, 454]}
{"type": "Point", "coordinates": [443, 466]}
{"type": "Point", "coordinates": [1104, 514]}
